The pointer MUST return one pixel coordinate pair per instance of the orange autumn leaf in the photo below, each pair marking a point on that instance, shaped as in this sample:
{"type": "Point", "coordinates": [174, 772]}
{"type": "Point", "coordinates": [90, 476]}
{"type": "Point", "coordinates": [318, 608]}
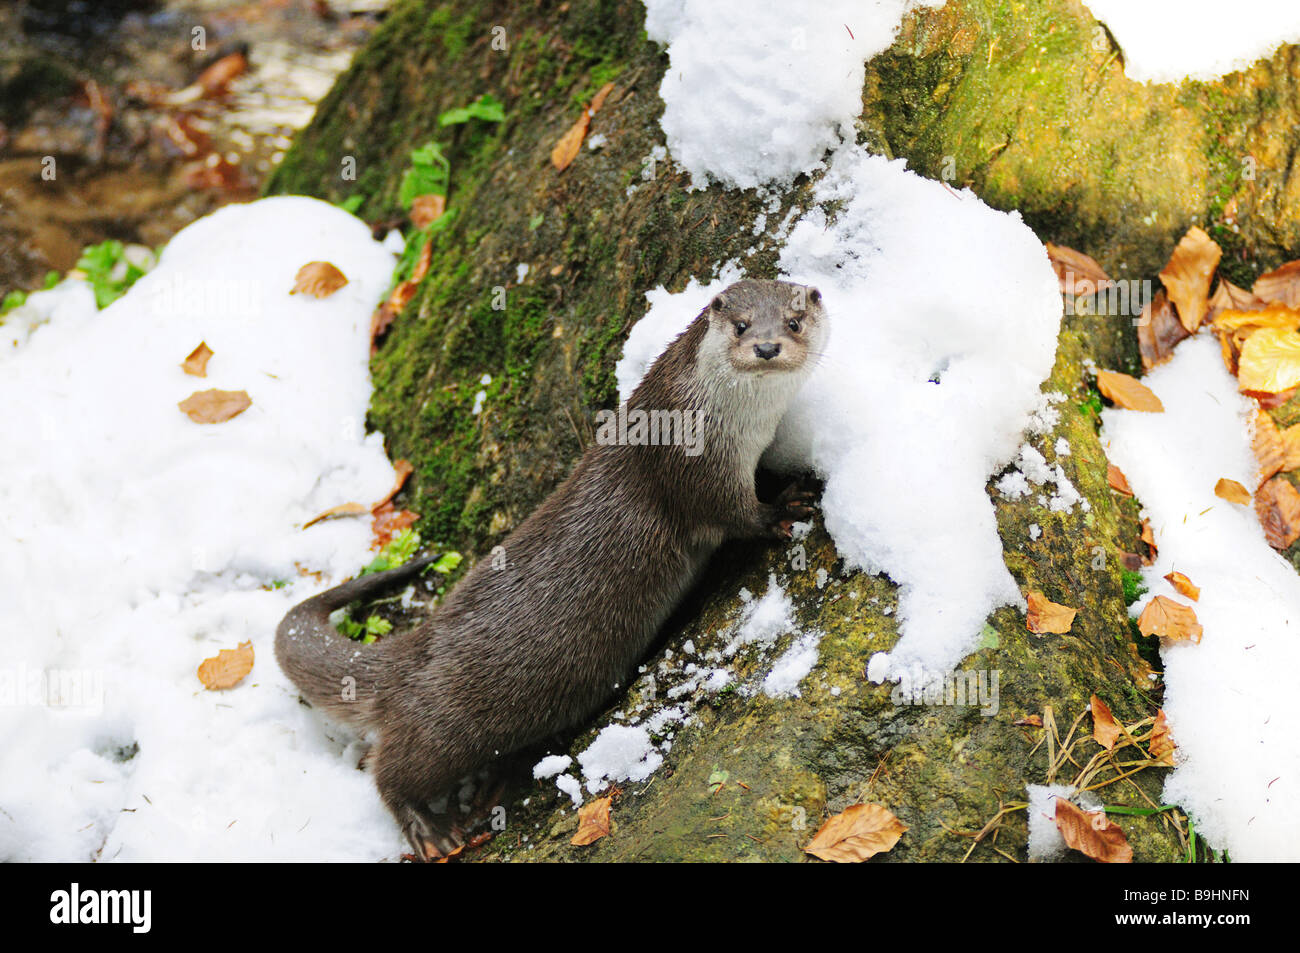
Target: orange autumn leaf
{"type": "Point", "coordinates": [1290, 447]}
{"type": "Point", "coordinates": [427, 209]}
{"type": "Point", "coordinates": [1269, 446]}
{"type": "Point", "coordinates": [334, 512]}
{"type": "Point", "coordinates": [1046, 617]}
{"type": "Point", "coordinates": [1270, 361]}
{"type": "Point", "coordinates": [1169, 620]}
{"type": "Point", "coordinates": [566, 150]}
{"type": "Point", "coordinates": [215, 406]}
{"type": "Point", "coordinates": [1281, 284]}
{"type": "Point", "coordinates": [856, 834]}
{"type": "Point", "coordinates": [593, 822]}
{"type": "Point", "coordinates": [1092, 834]}
{"type": "Point", "coordinates": [1232, 491]}
{"type": "Point", "coordinates": [387, 522]}
{"type": "Point", "coordinates": [1253, 319]}
{"type": "Point", "coordinates": [1078, 274]}
{"type": "Point", "coordinates": [1159, 331]}
{"type": "Point", "coordinates": [1183, 585]}
{"type": "Point", "coordinates": [1029, 721]}
{"type": "Point", "coordinates": [1148, 536]}
{"type": "Point", "coordinates": [215, 80]}
{"type": "Point", "coordinates": [402, 469]}
{"type": "Point", "coordinates": [1128, 392]}
{"type": "Point", "coordinates": [1116, 480]}
{"type": "Point", "coordinates": [1227, 295]}
{"type": "Point", "coordinates": [196, 364]}
{"type": "Point", "coordinates": [1277, 505]}
{"type": "Point", "coordinates": [227, 668]}
{"type": "Point", "coordinates": [319, 279]}
{"type": "Point", "coordinates": [1161, 745]}
{"type": "Point", "coordinates": [1105, 731]}
{"type": "Point", "coordinates": [1187, 276]}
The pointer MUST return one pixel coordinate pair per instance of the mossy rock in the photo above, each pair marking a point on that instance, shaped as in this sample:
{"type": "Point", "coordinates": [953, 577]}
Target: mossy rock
{"type": "Point", "coordinates": [1035, 117]}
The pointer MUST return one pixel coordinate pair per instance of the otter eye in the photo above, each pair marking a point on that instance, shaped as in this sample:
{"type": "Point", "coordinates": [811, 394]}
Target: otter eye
{"type": "Point", "coordinates": [741, 328]}
{"type": "Point", "coordinates": [794, 325]}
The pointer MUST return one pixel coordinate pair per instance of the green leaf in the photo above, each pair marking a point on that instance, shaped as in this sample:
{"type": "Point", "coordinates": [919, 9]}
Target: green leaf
{"type": "Point", "coordinates": [13, 299]}
{"type": "Point", "coordinates": [352, 203]}
{"type": "Point", "coordinates": [487, 108]}
{"type": "Point", "coordinates": [429, 174]}
{"type": "Point", "coordinates": [447, 562]}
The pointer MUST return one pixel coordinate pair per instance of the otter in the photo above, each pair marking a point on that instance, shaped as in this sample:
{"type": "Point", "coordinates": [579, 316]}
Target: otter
{"type": "Point", "coordinates": [535, 644]}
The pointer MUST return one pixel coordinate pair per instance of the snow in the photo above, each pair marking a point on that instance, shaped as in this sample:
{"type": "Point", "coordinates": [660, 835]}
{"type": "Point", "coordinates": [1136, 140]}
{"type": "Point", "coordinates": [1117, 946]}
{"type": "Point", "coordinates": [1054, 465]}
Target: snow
{"type": "Point", "coordinates": [1166, 41]}
{"type": "Point", "coordinates": [920, 284]}
{"type": "Point", "coordinates": [134, 543]}
{"type": "Point", "coordinates": [757, 92]}
{"type": "Point", "coordinates": [792, 667]}
{"type": "Point", "coordinates": [551, 765]}
{"type": "Point", "coordinates": [619, 753]}
{"type": "Point", "coordinates": [764, 620]}
{"type": "Point", "coordinates": [1230, 700]}
{"type": "Point", "coordinates": [1045, 840]}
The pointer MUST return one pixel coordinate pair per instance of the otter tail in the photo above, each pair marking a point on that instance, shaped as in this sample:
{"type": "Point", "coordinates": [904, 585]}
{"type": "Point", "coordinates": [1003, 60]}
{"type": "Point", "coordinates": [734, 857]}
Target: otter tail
{"type": "Point", "coordinates": [332, 671]}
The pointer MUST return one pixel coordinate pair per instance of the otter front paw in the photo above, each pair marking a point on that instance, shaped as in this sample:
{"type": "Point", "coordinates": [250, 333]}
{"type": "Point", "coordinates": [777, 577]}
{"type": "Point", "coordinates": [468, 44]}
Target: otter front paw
{"type": "Point", "coordinates": [795, 505]}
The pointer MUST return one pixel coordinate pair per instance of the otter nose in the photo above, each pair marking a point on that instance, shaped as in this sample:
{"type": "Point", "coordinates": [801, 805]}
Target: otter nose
{"type": "Point", "coordinates": [767, 350]}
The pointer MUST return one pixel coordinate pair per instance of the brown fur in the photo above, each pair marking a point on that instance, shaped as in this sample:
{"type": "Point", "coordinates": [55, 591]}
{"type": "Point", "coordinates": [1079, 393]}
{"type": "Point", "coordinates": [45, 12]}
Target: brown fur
{"type": "Point", "coordinates": [514, 654]}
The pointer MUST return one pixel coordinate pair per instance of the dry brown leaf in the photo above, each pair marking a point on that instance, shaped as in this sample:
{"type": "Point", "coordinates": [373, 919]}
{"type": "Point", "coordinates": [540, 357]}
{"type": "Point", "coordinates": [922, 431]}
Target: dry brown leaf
{"type": "Point", "coordinates": [593, 822]}
{"type": "Point", "coordinates": [1249, 320]}
{"type": "Point", "coordinates": [1105, 731]}
{"type": "Point", "coordinates": [1078, 273]}
{"type": "Point", "coordinates": [858, 833]}
{"type": "Point", "coordinates": [196, 364]}
{"type": "Point", "coordinates": [1290, 447]}
{"type": "Point", "coordinates": [1270, 361]}
{"type": "Point", "coordinates": [599, 99]}
{"type": "Point", "coordinates": [566, 150]}
{"type": "Point", "coordinates": [1046, 617]}
{"type": "Point", "coordinates": [1169, 620]}
{"type": "Point", "coordinates": [1269, 401]}
{"type": "Point", "coordinates": [319, 279]}
{"type": "Point", "coordinates": [334, 512]}
{"type": "Point", "coordinates": [1184, 586]}
{"type": "Point", "coordinates": [1148, 536]}
{"type": "Point", "coordinates": [227, 668]}
{"type": "Point", "coordinates": [1131, 561]}
{"type": "Point", "coordinates": [1092, 834]}
{"type": "Point", "coordinates": [1161, 745]}
{"type": "Point", "coordinates": [1187, 276]}
{"type": "Point", "coordinates": [1281, 284]}
{"type": "Point", "coordinates": [402, 469]}
{"type": "Point", "coordinates": [1116, 480]}
{"type": "Point", "coordinates": [1227, 295]}
{"type": "Point", "coordinates": [215, 80]}
{"type": "Point", "coordinates": [1159, 331]}
{"type": "Point", "coordinates": [215, 406]}
{"type": "Point", "coordinates": [1030, 721]}
{"type": "Point", "coordinates": [1232, 491]}
{"type": "Point", "coordinates": [1128, 392]}
{"type": "Point", "coordinates": [1277, 504]}
{"type": "Point", "coordinates": [388, 522]}
{"type": "Point", "coordinates": [427, 209]}
{"type": "Point", "coordinates": [387, 312]}
{"type": "Point", "coordinates": [1271, 450]}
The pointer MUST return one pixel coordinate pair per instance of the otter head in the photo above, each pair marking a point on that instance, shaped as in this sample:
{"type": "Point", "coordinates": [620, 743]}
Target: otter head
{"type": "Point", "coordinates": [768, 327]}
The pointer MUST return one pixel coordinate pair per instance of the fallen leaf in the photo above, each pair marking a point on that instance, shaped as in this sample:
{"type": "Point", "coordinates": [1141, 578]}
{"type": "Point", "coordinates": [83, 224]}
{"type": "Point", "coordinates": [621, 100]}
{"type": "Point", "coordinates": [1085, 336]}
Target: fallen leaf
{"type": "Point", "coordinates": [1078, 273]}
{"type": "Point", "coordinates": [566, 150]}
{"type": "Point", "coordinates": [599, 99]}
{"type": "Point", "coordinates": [215, 80]}
{"type": "Point", "coordinates": [1159, 331]}
{"type": "Point", "coordinates": [1169, 620]}
{"type": "Point", "coordinates": [593, 822]}
{"type": "Point", "coordinates": [1161, 745]}
{"type": "Point", "coordinates": [1116, 480]}
{"type": "Point", "coordinates": [1281, 284]}
{"type": "Point", "coordinates": [387, 312]}
{"type": "Point", "coordinates": [1227, 295]}
{"type": "Point", "coordinates": [1232, 491]}
{"type": "Point", "coordinates": [227, 668]}
{"type": "Point", "coordinates": [856, 834]}
{"type": "Point", "coordinates": [1270, 361]}
{"type": "Point", "coordinates": [402, 469]}
{"type": "Point", "coordinates": [1105, 731]}
{"type": "Point", "coordinates": [1148, 536]}
{"type": "Point", "coordinates": [1184, 586]}
{"type": "Point", "coordinates": [215, 406]}
{"type": "Point", "coordinates": [427, 209]}
{"type": "Point", "coordinates": [343, 509]}
{"type": "Point", "coordinates": [1046, 617]}
{"type": "Point", "coordinates": [1131, 561]}
{"type": "Point", "coordinates": [1030, 721]}
{"type": "Point", "coordinates": [1187, 276]}
{"type": "Point", "coordinates": [1269, 401]}
{"type": "Point", "coordinates": [1277, 504]}
{"type": "Point", "coordinates": [1092, 834]}
{"type": "Point", "coordinates": [1290, 447]}
{"type": "Point", "coordinates": [196, 364]}
{"type": "Point", "coordinates": [1128, 392]}
{"type": "Point", "coordinates": [388, 522]}
{"type": "Point", "coordinates": [1253, 319]}
{"type": "Point", "coordinates": [319, 279]}
{"type": "Point", "coordinates": [1271, 449]}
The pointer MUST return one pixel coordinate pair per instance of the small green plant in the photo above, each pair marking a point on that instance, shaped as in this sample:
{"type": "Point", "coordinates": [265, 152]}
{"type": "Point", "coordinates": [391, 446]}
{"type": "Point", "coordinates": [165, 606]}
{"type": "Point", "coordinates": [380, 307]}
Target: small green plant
{"type": "Point", "coordinates": [109, 271]}
{"type": "Point", "coordinates": [14, 299]}
{"type": "Point", "coordinates": [487, 108]}
{"type": "Point", "coordinates": [1134, 587]}
{"type": "Point", "coordinates": [429, 174]}
{"type": "Point", "coordinates": [352, 203]}
{"type": "Point", "coordinates": [1091, 404]}
{"type": "Point", "coordinates": [365, 632]}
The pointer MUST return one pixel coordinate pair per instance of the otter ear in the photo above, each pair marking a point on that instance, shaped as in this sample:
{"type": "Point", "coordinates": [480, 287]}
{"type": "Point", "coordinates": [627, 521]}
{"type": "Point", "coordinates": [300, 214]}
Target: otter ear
{"type": "Point", "coordinates": [814, 296]}
{"type": "Point", "coordinates": [718, 303]}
